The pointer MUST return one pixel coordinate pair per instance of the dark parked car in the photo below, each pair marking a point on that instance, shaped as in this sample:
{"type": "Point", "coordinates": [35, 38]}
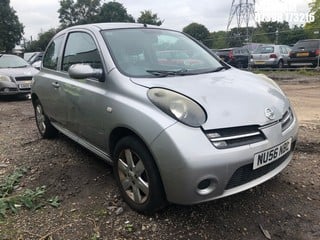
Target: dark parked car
{"type": "Point", "coordinates": [237, 57]}
{"type": "Point", "coordinates": [15, 75]}
{"type": "Point", "coordinates": [305, 52]}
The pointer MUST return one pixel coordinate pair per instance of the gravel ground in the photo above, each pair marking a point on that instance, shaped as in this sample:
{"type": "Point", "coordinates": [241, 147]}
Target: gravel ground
{"type": "Point", "coordinates": [286, 207]}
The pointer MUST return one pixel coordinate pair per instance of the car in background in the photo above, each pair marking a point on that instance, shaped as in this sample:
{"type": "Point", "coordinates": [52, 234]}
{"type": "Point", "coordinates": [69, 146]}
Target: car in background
{"type": "Point", "coordinates": [237, 57]}
{"type": "Point", "coordinates": [28, 55]}
{"type": "Point", "coordinates": [305, 53]}
{"type": "Point", "coordinates": [270, 55]}
{"type": "Point", "coordinates": [32, 57]}
{"type": "Point", "coordinates": [175, 57]}
{"type": "Point", "coordinates": [35, 58]}
{"type": "Point", "coordinates": [15, 75]}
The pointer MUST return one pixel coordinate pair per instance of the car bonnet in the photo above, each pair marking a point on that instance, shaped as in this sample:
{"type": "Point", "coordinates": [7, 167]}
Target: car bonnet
{"type": "Point", "coordinates": [16, 72]}
{"type": "Point", "coordinates": [230, 98]}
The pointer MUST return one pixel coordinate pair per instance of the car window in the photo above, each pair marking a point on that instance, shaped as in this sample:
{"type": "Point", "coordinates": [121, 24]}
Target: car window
{"type": "Point", "coordinates": [283, 50]}
{"type": "Point", "coordinates": [288, 49]}
{"type": "Point", "coordinates": [139, 52]}
{"type": "Point", "coordinates": [80, 48]}
{"type": "Point", "coordinates": [50, 59]}
{"type": "Point", "coordinates": [265, 49]}
{"type": "Point", "coordinates": [12, 61]}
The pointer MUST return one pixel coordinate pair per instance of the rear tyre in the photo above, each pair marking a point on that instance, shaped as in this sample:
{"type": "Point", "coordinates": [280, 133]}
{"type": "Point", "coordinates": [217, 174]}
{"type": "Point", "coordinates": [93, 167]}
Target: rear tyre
{"type": "Point", "coordinates": [137, 176]}
{"type": "Point", "coordinates": [45, 128]}
{"type": "Point", "coordinates": [280, 64]}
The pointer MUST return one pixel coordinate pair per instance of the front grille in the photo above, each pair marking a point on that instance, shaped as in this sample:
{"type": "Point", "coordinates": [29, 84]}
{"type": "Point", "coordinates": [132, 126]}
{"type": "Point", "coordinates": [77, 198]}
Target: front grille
{"type": "Point", "coordinates": [235, 137]}
{"type": "Point", "coordinates": [246, 173]}
{"type": "Point", "coordinates": [26, 78]}
{"type": "Point", "coordinates": [287, 120]}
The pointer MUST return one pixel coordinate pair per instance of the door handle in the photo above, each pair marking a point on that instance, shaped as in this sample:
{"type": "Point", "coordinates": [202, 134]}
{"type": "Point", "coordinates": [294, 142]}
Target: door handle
{"type": "Point", "coordinates": [55, 84]}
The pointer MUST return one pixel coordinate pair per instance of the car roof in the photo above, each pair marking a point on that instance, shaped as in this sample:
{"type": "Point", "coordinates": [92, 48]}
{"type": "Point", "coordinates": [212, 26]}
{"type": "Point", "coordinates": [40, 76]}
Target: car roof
{"type": "Point", "coordinates": [113, 25]}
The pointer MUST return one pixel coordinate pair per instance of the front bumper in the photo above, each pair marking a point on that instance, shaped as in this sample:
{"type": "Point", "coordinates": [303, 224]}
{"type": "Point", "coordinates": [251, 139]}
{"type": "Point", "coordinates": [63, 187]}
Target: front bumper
{"type": "Point", "coordinates": [11, 88]}
{"type": "Point", "coordinates": [194, 171]}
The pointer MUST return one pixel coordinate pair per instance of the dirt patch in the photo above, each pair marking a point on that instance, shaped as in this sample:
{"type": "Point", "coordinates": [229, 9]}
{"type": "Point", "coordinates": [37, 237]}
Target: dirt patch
{"type": "Point", "coordinates": [287, 207]}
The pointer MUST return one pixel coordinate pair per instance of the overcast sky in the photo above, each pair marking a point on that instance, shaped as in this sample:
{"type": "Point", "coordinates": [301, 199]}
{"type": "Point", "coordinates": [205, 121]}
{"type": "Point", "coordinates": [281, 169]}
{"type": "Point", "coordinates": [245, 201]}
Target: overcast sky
{"type": "Point", "coordinates": [41, 15]}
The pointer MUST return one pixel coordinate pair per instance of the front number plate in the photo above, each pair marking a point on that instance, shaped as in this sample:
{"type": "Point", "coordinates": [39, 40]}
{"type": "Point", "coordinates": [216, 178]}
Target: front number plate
{"type": "Point", "coordinates": [263, 158]}
{"type": "Point", "coordinates": [25, 85]}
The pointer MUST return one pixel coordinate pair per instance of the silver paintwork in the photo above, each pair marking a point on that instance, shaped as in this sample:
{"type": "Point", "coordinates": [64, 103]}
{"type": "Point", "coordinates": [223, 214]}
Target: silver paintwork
{"type": "Point", "coordinates": [13, 73]}
{"type": "Point", "coordinates": [90, 111]}
{"type": "Point", "coordinates": [131, 176]}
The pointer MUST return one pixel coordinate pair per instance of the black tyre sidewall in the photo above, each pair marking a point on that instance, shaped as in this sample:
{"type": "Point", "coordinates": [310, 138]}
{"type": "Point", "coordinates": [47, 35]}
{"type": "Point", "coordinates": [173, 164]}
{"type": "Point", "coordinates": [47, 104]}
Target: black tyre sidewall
{"type": "Point", "coordinates": [280, 64]}
{"type": "Point", "coordinates": [50, 131]}
{"type": "Point", "coordinates": [156, 199]}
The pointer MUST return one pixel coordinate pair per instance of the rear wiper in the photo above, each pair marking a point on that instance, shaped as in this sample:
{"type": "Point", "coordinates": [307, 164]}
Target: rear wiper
{"type": "Point", "coordinates": [165, 73]}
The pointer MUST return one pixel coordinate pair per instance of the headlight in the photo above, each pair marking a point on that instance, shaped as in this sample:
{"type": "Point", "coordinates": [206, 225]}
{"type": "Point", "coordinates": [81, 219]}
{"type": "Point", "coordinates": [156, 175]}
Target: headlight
{"type": "Point", "coordinates": [5, 78]}
{"type": "Point", "coordinates": [178, 106]}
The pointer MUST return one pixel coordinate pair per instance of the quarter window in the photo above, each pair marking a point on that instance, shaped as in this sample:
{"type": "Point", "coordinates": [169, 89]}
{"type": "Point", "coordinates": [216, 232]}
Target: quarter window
{"type": "Point", "coordinates": [50, 59]}
{"type": "Point", "coordinates": [81, 48]}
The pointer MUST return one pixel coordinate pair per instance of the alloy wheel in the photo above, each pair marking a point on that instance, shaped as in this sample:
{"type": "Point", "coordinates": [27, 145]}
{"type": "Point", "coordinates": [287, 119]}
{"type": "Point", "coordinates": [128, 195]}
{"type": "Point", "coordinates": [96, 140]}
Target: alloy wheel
{"type": "Point", "coordinates": [133, 176]}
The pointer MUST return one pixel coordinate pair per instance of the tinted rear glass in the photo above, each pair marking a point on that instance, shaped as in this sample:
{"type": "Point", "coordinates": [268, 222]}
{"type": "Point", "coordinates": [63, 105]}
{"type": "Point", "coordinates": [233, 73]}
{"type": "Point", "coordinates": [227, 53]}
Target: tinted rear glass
{"type": "Point", "coordinates": [313, 44]}
{"type": "Point", "coordinates": [264, 49]}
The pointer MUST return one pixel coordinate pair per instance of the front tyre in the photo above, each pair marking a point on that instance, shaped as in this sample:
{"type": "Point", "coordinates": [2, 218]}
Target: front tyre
{"type": "Point", "coordinates": [137, 176]}
{"type": "Point", "coordinates": [45, 128]}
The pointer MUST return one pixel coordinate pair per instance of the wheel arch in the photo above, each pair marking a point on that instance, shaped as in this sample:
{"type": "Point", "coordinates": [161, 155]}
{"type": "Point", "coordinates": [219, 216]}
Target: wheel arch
{"type": "Point", "coordinates": [121, 132]}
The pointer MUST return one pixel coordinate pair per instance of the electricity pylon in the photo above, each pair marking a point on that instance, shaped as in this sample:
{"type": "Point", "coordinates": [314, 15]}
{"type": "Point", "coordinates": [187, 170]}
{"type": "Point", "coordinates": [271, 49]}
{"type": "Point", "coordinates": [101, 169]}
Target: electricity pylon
{"type": "Point", "coordinates": [243, 11]}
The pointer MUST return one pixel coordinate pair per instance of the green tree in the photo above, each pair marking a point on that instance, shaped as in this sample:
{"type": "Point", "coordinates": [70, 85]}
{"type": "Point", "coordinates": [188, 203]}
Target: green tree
{"type": "Point", "coordinates": [148, 17]}
{"type": "Point", "coordinates": [275, 31]}
{"type": "Point", "coordinates": [312, 28]}
{"type": "Point", "coordinates": [79, 12]}
{"type": "Point", "coordinates": [113, 12]}
{"type": "Point", "coordinates": [42, 42]}
{"type": "Point", "coordinates": [238, 37]}
{"type": "Point", "coordinates": [11, 30]}
{"type": "Point", "coordinates": [219, 40]}
{"type": "Point", "coordinates": [297, 33]}
{"type": "Point", "coordinates": [199, 32]}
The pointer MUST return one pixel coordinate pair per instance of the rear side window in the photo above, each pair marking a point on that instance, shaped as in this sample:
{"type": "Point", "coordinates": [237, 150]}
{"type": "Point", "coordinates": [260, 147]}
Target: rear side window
{"type": "Point", "coordinates": [283, 50]}
{"type": "Point", "coordinates": [50, 59]}
{"type": "Point", "coordinates": [81, 48]}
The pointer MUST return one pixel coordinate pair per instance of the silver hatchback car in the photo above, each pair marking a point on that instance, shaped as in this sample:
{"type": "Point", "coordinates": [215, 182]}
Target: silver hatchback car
{"type": "Point", "coordinates": [270, 56]}
{"type": "Point", "coordinates": [181, 130]}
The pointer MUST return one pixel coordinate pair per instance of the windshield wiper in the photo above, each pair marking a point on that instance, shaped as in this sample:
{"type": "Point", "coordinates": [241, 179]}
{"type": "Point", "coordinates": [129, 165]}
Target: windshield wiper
{"type": "Point", "coordinates": [22, 66]}
{"type": "Point", "coordinates": [165, 73]}
{"type": "Point", "coordinates": [218, 69]}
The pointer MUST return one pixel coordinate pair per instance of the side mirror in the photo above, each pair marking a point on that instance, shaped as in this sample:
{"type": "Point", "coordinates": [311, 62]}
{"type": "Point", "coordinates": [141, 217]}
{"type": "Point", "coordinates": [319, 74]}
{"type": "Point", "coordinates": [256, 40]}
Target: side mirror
{"type": "Point", "coordinates": [80, 71]}
{"type": "Point", "coordinates": [37, 64]}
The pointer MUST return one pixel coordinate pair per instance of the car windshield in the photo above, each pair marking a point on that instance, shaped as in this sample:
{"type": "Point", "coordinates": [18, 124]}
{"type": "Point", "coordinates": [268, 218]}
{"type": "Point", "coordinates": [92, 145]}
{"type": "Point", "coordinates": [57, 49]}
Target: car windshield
{"type": "Point", "coordinates": [155, 52]}
{"type": "Point", "coordinates": [11, 61]}
{"type": "Point", "coordinates": [264, 49]}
